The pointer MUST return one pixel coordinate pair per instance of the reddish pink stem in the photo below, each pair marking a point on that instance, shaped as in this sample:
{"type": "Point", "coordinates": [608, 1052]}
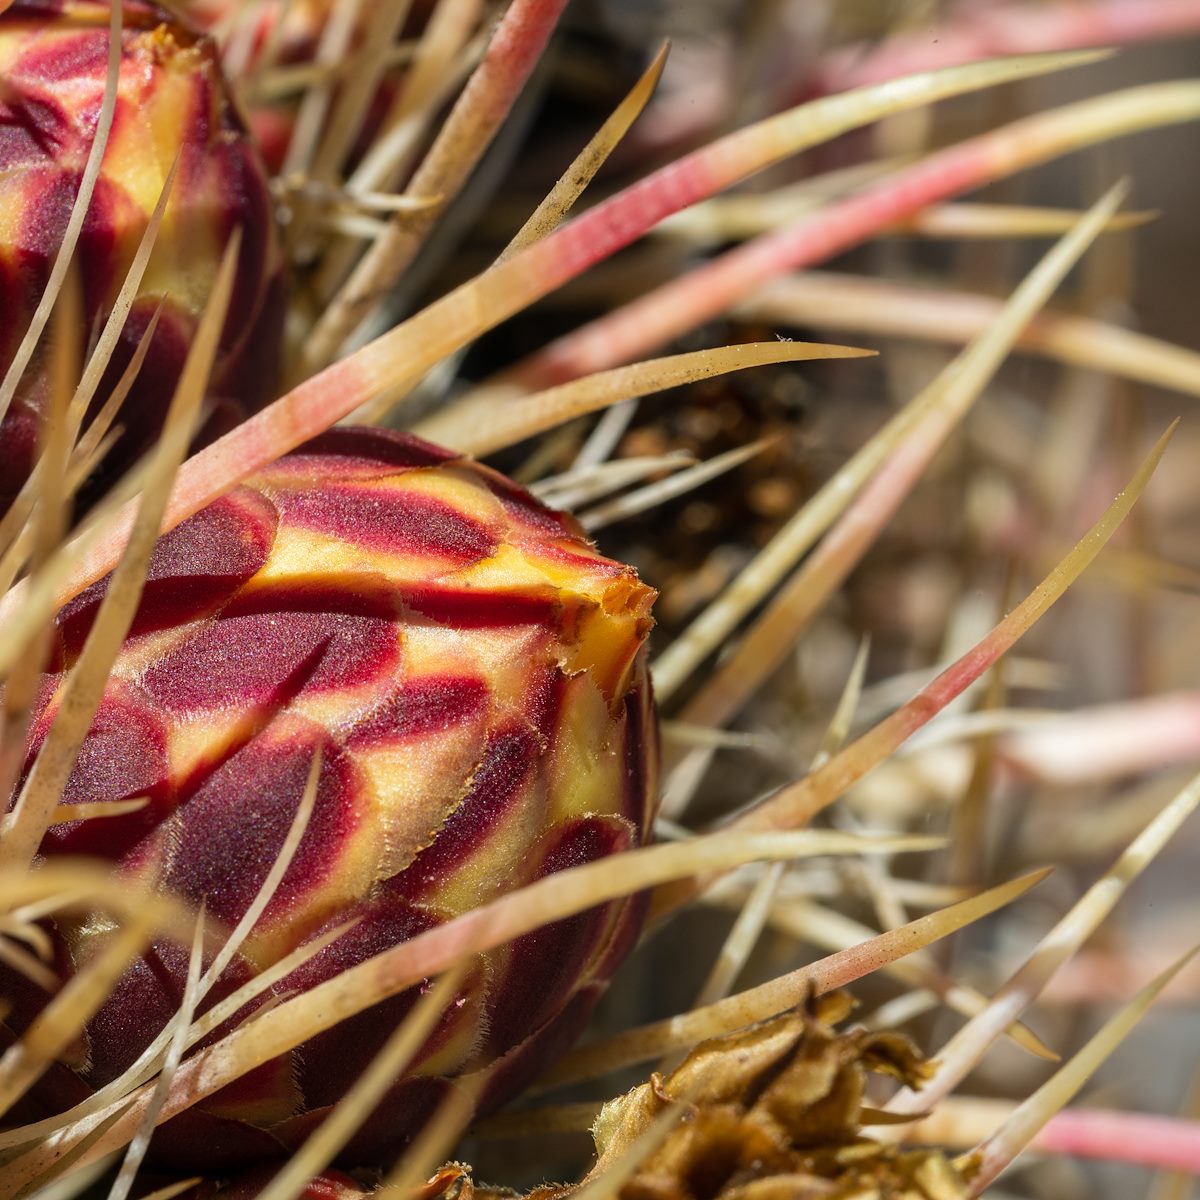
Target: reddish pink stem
{"type": "Point", "coordinates": [514, 51]}
{"type": "Point", "coordinates": [1172, 1143]}
{"type": "Point", "coordinates": [683, 303]}
{"type": "Point", "coordinates": [1140, 1139]}
{"type": "Point", "coordinates": [687, 114]}
{"type": "Point", "coordinates": [1108, 741]}
{"type": "Point", "coordinates": [998, 30]}
{"type": "Point", "coordinates": [688, 301]}
{"type": "Point", "coordinates": [1103, 976]}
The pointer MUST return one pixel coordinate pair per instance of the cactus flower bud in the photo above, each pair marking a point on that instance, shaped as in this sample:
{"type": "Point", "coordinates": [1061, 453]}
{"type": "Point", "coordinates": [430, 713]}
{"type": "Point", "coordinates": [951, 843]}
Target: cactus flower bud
{"type": "Point", "coordinates": [171, 102]}
{"type": "Point", "coordinates": [471, 671]}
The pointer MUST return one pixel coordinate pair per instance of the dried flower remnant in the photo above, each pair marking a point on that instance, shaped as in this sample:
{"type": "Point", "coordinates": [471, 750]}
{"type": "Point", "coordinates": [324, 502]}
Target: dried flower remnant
{"type": "Point", "coordinates": [470, 671]}
{"type": "Point", "coordinates": [171, 105]}
{"type": "Point", "coordinates": [771, 1112]}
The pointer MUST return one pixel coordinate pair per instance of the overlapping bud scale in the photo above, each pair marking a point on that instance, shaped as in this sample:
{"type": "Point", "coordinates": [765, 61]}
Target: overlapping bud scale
{"type": "Point", "coordinates": [171, 102]}
{"type": "Point", "coordinates": [470, 670]}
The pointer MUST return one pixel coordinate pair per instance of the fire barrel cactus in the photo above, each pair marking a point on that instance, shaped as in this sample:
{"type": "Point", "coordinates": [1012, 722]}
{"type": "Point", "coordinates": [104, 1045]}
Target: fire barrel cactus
{"type": "Point", "coordinates": [472, 672]}
{"type": "Point", "coordinates": [171, 102]}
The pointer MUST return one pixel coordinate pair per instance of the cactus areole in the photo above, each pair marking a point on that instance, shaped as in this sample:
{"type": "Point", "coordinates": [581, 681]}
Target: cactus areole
{"type": "Point", "coordinates": [171, 105]}
{"type": "Point", "coordinates": [472, 673]}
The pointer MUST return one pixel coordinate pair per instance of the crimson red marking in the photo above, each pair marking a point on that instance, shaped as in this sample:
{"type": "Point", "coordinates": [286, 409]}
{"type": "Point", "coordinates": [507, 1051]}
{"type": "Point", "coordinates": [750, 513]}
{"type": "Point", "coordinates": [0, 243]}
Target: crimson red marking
{"type": "Point", "coordinates": [195, 567]}
{"type": "Point", "coordinates": [124, 755]}
{"type": "Point", "coordinates": [65, 56]}
{"type": "Point", "coordinates": [383, 518]}
{"type": "Point", "coordinates": [470, 608]}
{"type": "Point", "coordinates": [221, 843]}
{"type": "Point", "coordinates": [239, 660]}
{"type": "Point", "coordinates": [430, 704]}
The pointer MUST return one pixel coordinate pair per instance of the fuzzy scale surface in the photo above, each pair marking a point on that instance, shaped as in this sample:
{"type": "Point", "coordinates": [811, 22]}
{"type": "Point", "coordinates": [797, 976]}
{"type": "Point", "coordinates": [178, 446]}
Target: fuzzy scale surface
{"type": "Point", "coordinates": [472, 672]}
